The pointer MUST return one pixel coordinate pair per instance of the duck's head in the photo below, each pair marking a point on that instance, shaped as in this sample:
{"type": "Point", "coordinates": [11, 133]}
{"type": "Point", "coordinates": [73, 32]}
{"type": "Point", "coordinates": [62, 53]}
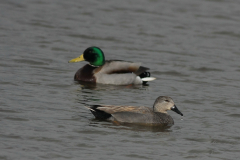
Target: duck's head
{"type": "Point", "coordinates": [93, 55]}
{"type": "Point", "coordinates": [163, 104]}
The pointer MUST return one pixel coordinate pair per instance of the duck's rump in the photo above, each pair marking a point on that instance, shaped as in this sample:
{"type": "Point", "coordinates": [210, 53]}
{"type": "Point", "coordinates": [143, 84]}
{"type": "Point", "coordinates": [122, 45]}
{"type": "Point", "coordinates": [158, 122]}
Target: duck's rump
{"type": "Point", "coordinates": [98, 113]}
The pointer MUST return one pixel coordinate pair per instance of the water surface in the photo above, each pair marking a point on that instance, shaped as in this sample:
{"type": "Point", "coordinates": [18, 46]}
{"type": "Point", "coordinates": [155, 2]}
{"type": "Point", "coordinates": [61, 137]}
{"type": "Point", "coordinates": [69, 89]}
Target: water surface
{"type": "Point", "coordinates": [192, 48]}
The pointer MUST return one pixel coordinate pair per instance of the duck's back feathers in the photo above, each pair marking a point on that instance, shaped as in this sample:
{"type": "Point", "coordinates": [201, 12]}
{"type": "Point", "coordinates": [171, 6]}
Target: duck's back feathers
{"type": "Point", "coordinates": [116, 109]}
{"type": "Point", "coordinates": [118, 67]}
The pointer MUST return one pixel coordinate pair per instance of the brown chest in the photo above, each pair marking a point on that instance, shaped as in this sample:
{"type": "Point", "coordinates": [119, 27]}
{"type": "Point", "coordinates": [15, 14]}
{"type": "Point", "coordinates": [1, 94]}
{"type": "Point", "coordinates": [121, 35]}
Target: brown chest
{"type": "Point", "coordinates": [85, 74]}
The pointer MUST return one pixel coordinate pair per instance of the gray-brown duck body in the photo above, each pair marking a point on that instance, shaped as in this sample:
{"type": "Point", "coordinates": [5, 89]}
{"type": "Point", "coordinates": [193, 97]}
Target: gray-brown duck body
{"type": "Point", "coordinates": [138, 115]}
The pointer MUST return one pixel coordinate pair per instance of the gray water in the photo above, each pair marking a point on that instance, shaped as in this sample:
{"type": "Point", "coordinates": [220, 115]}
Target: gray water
{"type": "Point", "coordinates": [192, 48]}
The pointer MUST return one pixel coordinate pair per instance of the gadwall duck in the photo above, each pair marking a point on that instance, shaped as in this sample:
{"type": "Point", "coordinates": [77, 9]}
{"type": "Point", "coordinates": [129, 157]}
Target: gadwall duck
{"type": "Point", "coordinates": [138, 115]}
{"type": "Point", "coordinates": [116, 72]}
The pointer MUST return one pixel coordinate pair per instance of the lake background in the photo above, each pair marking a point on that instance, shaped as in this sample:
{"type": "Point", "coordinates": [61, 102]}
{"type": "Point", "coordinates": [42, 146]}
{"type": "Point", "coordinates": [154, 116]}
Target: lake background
{"type": "Point", "coordinates": [192, 48]}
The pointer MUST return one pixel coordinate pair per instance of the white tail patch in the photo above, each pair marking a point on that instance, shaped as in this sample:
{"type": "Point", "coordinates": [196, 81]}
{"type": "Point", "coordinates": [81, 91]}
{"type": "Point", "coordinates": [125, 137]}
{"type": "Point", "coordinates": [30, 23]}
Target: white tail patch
{"type": "Point", "coordinates": [148, 79]}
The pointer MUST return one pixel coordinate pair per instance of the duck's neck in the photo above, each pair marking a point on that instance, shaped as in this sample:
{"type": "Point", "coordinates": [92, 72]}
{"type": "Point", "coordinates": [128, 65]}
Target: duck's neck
{"type": "Point", "coordinates": [93, 65]}
{"type": "Point", "coordinates": [155, 109]}
{"type": "Point", "coordinates": [99, 61]}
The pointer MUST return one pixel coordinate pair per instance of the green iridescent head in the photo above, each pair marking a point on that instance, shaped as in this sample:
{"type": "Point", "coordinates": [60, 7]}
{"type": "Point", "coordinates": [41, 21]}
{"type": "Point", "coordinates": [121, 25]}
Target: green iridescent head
{"type": "Point", "coordinates": [93, 55]}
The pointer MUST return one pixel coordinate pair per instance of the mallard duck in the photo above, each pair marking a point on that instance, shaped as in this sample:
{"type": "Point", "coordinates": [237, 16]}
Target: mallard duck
{"type": "Point", "coordinates": [116, 72]}
{"type": "Point", "coordinates": [138, 115]}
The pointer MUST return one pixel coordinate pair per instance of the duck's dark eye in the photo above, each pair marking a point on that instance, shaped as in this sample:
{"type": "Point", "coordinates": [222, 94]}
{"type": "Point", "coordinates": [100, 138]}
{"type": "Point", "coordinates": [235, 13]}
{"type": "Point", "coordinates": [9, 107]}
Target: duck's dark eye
{"type": "Point", "coordinates": [167, 100]}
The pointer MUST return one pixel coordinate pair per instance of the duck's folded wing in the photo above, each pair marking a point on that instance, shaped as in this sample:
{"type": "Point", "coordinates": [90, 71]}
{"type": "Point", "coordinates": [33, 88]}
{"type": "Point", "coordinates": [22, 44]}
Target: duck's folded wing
{"type": "Point", "coordinates": [113, 67]}
{"type": "Point", "coordinates": [132, 114]}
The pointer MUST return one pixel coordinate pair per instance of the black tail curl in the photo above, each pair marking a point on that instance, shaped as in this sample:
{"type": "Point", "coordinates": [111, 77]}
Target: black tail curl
{"type": "Point", "coordinates": [143, 75]}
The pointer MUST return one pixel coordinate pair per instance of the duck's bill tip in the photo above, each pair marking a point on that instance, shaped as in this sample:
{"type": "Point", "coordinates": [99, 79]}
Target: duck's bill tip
{"type": "Point", "coordinates": [78, 59]}
{"type": "Point", "coordinates": [175, 109]}
{"type": "Point", "coordinates": [72, 61]}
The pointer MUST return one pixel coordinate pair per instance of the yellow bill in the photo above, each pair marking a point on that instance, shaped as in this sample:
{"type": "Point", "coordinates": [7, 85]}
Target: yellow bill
{"type": "Point", "coordinates": [78, 59]}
